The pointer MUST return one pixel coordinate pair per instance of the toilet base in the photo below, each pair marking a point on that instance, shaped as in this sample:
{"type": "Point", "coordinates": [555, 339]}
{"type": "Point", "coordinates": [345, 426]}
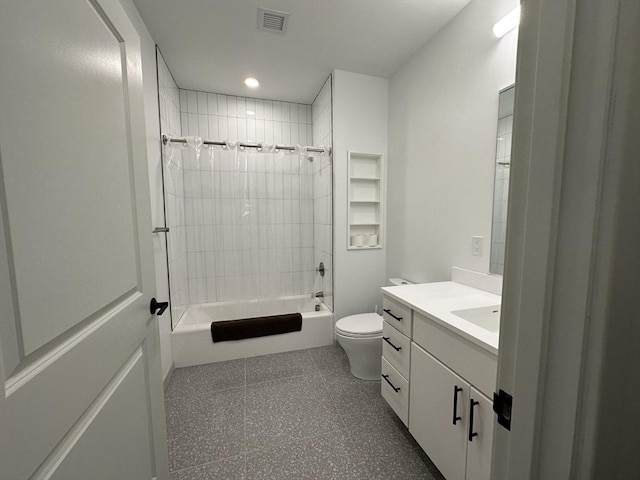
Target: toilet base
{"type": "Point", "coordinates": [365, 356]}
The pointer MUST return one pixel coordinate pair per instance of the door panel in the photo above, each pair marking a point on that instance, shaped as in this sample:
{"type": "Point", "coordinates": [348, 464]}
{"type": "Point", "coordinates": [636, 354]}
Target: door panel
{"type": "Point", "coordinates": [431, 413]}
{"type": "Point", "coordinates": [121, 433]}
{"type": "Point", "coordinates": [93, 358]}
{"type": "Point", "coordinates": [77, 161]}
{"type": "Point", "coordinates": [82, 397]}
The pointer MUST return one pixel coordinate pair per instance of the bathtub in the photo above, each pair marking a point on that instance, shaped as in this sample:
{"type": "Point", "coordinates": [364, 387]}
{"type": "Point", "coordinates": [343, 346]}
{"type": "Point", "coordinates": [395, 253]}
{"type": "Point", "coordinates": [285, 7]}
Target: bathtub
{"type": "Point", "coordinates": [191, 342]}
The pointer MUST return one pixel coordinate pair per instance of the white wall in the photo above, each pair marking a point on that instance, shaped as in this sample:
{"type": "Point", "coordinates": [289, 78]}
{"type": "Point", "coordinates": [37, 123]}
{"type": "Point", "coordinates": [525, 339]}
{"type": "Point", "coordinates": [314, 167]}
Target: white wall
{"type": "Point", "coordinates": [443, 114]}
{"type": "Point", "coordinates": [360, 116]}
{"type": "Point", "coordinates": [150, 86]}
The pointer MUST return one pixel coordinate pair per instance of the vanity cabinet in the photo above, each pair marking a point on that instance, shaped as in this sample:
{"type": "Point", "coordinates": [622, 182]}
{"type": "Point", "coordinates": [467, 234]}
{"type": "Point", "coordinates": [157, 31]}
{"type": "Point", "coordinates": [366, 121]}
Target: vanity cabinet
{"type": "Point", "coordinates": [451, 420]}
{"type": "Point", "coordinates": [396, 356]}
{"type": "Point", "coordinates": [438, 383]}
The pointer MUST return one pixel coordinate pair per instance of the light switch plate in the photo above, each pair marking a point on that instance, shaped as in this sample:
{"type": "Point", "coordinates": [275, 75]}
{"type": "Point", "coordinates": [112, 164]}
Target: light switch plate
{"type": "Point", "coordinates": [476, 246]}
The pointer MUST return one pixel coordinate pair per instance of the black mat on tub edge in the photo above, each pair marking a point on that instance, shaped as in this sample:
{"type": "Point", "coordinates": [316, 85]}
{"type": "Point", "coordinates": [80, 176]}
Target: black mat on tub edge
{"type": "Point", "coordinates": [255, 327]}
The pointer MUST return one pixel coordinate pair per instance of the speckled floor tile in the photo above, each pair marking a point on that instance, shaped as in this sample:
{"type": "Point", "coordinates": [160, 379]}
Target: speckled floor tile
{"type": "Point", "coordinates": [386, 425]}
{"type": "Point", "coordinates": [330, 357]}
{"type": "Point", "coordinates": [279, 365]}
{"type": "Point", "coordinates": [313, 420]}
{"type": "Point", "coordinates": [203, 380]}
{"type": "Point", "coordinates": [287, 410]}
{"type": "Point", "coordinates": [227, 469]}
{"type": "Point", "coordinates": [391, 456]}
{"type": "Point", "coordinates": [206, 429]}
{"type": "Point", "coordinates": [327, 456]}
{"type": "Point", "coordinates": [358, 401]}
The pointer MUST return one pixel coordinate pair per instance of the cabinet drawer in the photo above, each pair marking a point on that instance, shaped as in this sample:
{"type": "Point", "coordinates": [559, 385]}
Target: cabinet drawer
{"type": "Point", "coordinates": [395, 390]}
{"type": "Point", "coordinates": [475, 364]}
{"type": "Point", "coordinates": [397, 315]}
{"type": "Point", "coordinates": [396, 349]}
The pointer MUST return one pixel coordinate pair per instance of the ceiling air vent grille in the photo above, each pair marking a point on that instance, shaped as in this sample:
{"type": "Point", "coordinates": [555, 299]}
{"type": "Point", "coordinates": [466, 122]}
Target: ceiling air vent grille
{"type": "Point", "coordinates": [272, 20]}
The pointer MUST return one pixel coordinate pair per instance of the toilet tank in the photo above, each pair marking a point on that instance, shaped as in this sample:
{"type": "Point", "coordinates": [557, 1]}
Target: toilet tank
{"type": "Point", "coordinates": [399, 281]}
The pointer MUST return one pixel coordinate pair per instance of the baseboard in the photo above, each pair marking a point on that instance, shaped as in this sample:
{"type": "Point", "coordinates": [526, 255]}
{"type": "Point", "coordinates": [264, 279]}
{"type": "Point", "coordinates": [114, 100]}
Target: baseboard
{"type": "Point", "coordinates": [168, 376]}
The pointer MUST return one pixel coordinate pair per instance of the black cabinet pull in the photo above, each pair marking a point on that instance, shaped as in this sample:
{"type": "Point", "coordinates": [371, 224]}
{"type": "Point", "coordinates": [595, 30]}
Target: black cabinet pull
{"type": "Point", "coordinates": [456, 390]}
{"type": "Point", "coordinates": [386, 377]}
{"type": "Point", "coordinates": [386, 310]}
{"type": "Point", "coordinates": [472, 434]}
{"type": "Point", "coordinates": [386, 339]}
{"type": "Point", "coordinates": [157, 307]}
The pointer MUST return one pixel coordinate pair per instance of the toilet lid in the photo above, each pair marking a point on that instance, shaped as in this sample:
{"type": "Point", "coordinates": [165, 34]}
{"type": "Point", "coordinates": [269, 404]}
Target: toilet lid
{"type": "Point", "coordinates": [361, 324]}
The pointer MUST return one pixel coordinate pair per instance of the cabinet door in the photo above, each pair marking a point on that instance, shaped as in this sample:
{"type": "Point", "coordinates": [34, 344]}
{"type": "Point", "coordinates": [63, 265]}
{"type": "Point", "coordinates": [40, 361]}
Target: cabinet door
{"type": "Point", "coordinates": [479, 446]}
{"type": "Point", "coordinates": [432, 408]}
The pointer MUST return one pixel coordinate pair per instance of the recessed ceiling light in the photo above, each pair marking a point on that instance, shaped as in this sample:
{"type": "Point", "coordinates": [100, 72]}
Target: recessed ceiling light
{"type": "Point", "coordinates": [250, 112]}
{"type": "Point", "coordinates": [251, 82]}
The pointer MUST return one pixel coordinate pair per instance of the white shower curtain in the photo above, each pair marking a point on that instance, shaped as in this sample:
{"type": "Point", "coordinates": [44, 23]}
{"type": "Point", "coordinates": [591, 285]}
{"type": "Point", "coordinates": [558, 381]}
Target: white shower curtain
{"type": "Point", "coordinates": [249, 224]}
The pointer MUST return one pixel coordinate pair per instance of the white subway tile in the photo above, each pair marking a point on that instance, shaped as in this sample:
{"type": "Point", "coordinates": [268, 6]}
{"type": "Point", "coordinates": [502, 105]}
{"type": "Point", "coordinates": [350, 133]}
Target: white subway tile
{"type": "Point", "coordinates": [202, 103]}
{"type": "Point", "coordinates": [222, 105]}
{"type": "Point", "coordinates": [212, 104]}
{"type": "Point", "coordinates": [183, 101]}
{"type": "Point", "coordinates": [232, 106]}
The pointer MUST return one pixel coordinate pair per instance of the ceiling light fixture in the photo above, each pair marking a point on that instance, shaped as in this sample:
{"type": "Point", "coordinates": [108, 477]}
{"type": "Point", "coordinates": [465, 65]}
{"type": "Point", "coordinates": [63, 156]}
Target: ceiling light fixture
{"type": "Point", "coordinates": [510, 21]}
{"type": "Point", "coordinates": [251, 82]}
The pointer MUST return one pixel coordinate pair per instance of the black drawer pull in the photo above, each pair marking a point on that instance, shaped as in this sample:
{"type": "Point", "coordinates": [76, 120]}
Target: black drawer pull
{"type": "Point", "coordinates": [386, 310]}
{"type": "Point", "coordinates": [386, 377]}
{"type": "Point", "coordinates": [456, 417]}
{"type": "Point", "coordinates": [386, 339]}
{"type": "Point", "coordinates": [472, 434]}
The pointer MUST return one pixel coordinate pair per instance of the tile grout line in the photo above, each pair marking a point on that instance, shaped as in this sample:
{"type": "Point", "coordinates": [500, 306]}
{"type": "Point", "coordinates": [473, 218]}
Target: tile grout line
{"type": "Point", "coordinates": [333, 402]}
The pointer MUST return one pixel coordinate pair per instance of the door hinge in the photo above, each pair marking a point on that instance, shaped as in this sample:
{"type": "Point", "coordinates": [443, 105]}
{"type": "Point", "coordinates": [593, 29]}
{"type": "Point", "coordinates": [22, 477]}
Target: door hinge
{"type": "Point", "coordinates": [502, 404]}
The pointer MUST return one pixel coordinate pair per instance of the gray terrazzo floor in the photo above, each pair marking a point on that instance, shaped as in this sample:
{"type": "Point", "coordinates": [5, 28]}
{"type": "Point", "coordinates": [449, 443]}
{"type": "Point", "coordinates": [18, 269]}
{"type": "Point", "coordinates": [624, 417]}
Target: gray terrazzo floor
{"type": "Point", "coordinates": [294, 415]}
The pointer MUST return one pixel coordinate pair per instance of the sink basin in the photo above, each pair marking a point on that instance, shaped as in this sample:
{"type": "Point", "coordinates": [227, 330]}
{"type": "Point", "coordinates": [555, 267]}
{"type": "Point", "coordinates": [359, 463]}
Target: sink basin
{"type": "Point", "coordinates": [484, 317]}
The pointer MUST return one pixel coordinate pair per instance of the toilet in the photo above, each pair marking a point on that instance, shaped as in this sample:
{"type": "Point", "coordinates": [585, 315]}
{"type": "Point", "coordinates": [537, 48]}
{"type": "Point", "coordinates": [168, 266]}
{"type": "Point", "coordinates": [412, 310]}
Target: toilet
{"type": "Point", "coordinates": [361, 338]}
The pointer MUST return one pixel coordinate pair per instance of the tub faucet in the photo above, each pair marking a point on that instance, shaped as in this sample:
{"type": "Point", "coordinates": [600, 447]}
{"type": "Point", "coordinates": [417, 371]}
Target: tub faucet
{"type": "Point", "coordinates": [318, 295]}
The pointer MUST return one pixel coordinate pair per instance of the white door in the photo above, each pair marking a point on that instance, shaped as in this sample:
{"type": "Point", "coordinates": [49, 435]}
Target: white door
{"type": "Point", "coordinates": [438, 396]}
{"type": "Point", "coordinates": [82, 391]}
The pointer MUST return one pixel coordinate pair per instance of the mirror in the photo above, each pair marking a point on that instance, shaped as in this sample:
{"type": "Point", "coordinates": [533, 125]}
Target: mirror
{"type": "Point", "coordinates": [501, 179]}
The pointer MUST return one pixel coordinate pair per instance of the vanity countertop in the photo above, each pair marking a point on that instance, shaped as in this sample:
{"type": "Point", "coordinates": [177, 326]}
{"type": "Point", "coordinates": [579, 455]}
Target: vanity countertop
{"type": "Point", "coordinates": [438, 300]}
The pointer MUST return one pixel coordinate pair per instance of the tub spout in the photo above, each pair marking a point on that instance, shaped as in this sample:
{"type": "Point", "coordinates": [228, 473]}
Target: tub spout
{"type": "Point", "coordinates": [318, 295]}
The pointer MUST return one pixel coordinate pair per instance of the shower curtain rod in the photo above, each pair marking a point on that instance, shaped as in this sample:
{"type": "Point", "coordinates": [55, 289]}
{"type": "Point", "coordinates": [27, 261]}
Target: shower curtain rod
{"type": "Point", "coordinates": [166, 139]}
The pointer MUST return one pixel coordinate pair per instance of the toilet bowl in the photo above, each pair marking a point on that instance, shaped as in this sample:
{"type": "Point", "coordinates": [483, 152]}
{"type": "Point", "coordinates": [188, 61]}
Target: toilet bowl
{"type": "Point", "coordinates": [361, 338]}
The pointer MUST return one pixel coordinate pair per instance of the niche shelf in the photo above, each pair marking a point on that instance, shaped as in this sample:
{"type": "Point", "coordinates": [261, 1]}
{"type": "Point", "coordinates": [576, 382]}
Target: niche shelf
{"type": "Point", "coordinates": [365, 200]}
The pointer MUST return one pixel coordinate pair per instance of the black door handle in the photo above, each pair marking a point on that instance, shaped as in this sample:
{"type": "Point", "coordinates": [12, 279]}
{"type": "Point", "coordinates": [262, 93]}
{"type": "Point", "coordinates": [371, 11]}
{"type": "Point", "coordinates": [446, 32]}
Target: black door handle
{"type": "Point", "coordinates": [386, 310]}
{"type": "Point", "coordinates": [472, 434]}
{"type": "Point", "coordinates": [386, 339]}
{"type": "Point", "coordinates": [156, 307]}
{"type": "Point", "coordinates": [456, 390]}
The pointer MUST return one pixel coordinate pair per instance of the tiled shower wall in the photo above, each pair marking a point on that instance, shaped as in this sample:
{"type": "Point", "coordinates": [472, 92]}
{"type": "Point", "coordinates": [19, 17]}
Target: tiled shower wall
{"type": "Point", "coordinates": [501, 194]}
{"type": "Point", "coordinates": [323, 192]}
{"type": "Point", "coordinates": [249, 215]}
{"type": "Point", "coordinates": [174, 191]}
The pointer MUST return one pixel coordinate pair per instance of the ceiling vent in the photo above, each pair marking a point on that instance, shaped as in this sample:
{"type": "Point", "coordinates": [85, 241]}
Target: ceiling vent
{"type": "Point", "coordinates": [272, 20]}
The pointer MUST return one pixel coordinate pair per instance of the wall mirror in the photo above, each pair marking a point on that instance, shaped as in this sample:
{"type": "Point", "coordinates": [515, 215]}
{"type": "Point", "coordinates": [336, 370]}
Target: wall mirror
{"type": "Point", "coordinates": [501, 179]}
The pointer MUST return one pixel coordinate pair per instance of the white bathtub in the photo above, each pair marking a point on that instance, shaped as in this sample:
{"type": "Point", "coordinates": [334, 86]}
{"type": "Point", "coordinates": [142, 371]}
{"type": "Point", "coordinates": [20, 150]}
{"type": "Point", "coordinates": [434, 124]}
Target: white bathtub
{"type": "Point", "coordinates": [191, 339]}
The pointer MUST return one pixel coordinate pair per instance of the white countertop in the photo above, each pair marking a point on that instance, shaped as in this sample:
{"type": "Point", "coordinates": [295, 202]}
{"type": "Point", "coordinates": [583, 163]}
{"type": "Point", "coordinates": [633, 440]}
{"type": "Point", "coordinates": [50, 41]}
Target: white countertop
{"type": "Point", "coordinates": [437, 301]}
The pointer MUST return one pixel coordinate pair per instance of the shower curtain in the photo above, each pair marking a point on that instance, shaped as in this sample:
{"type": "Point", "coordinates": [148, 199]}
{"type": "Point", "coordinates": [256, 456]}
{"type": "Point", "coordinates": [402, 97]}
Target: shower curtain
{"type": "Point", "coordinates": [248, 217]}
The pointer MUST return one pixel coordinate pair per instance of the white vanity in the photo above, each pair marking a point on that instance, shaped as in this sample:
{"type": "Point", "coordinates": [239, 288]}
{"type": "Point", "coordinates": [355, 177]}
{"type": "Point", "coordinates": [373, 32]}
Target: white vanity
{"type": "Point", "coordinates": [439, 363]}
